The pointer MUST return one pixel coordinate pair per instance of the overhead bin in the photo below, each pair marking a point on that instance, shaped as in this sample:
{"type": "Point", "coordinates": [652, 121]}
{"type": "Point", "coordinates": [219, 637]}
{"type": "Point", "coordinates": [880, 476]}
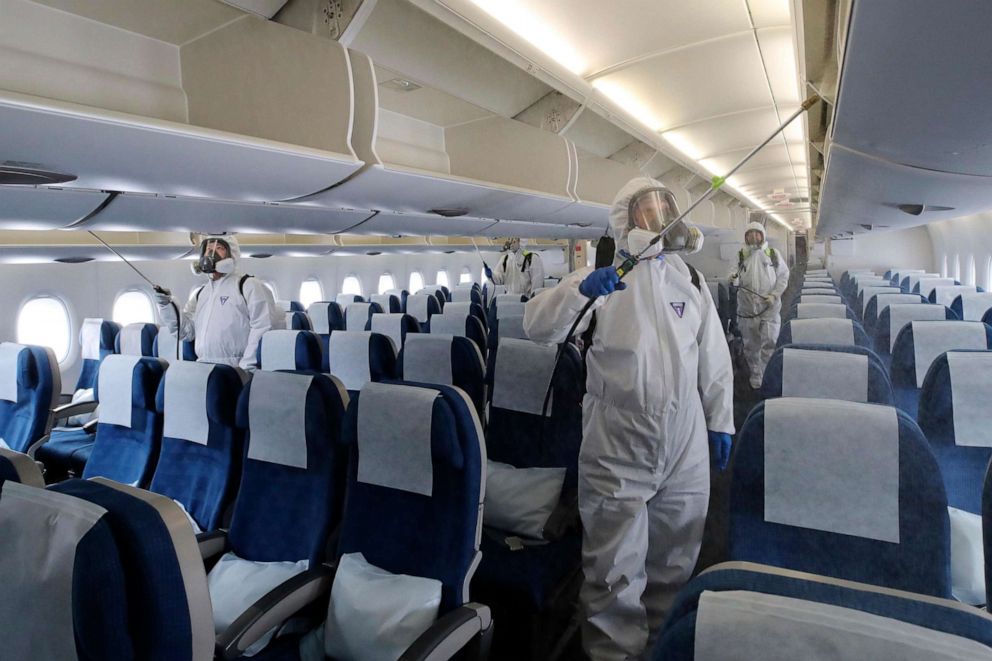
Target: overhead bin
{"type": "Point", "coordinates": [540, 231]}
{"type": "Point", "coordinates": [393, 224]}
{"type": "Point", "coordinates": [31, 208]}
{"type": "Point", "coordinates": [113, 151]}
{"type": "Point", "coordinates": [160, 213]}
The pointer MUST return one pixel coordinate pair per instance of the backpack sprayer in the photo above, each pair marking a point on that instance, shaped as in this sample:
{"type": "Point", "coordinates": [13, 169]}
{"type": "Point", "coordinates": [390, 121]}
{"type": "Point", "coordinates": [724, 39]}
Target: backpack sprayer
{"type": "Point", "coordinates": [631, 262]}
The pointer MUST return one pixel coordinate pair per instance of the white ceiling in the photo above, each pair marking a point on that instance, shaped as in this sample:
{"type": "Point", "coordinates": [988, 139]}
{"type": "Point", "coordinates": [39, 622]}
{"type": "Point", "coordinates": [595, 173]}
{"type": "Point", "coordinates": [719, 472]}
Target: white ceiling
{"type": "Point", "coordinates": [710, 78]}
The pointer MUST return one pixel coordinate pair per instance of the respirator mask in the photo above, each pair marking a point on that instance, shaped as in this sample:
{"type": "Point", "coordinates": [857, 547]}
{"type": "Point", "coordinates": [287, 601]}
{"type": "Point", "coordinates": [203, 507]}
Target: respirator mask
{"type": "Point", "coordinates": [652, 211]}
{"type": "Point", "coordinates": [212, 260]}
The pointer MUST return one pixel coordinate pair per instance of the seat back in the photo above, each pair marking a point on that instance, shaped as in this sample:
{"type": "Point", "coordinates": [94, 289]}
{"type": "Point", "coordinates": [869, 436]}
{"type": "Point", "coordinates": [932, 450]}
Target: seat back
{"type": "Point", "coordinates": [466, 294]}
{"type": "Point", "coordinates": [893, 317]}
{"type": "Point", "coordinates": [438, 292]}
{"type": "Point", "coordinates": [895, 276]}
{"type": "Point", "coordinates": [401, 294]}
{"type": "Point", "coordinates": [520, 372]}
{"type": "Point", "coordinates": [422, 307]}
{"type": "Point", "coordinates": [507, 326]}
{"type": "Point", "coordinates": [169, 615]}
{"type": "Point", "coordinates": [289, 306]}
{"type": "Point", "coordinates": [946, 294]}
{"type": "Point", "coordinates": [97, 338]}
{"type": "Point", "coordinates": [357, 357]}
{"type": "Point", "coordinates": [30, 385]}
{"type": "Point", "coordinates": [165, 347]}
{"type": "Point", "coordinates": [129, 431]}
{"type": "Point", "coordinates": [841, 489]}
{"type": "Point", "coordinates": [843, 332]}
{"type": "Point", "coordinates": [955, 416]}
{"type": "Point", "coordinates": [357, 315]}
{"type": "Point", "coordinates": [821, 311]}
{"type": "Point", "coordinates": [445, 360]}
{"type": "Point", "coordinates": [289, 350]}
{"type": "Point", "coordinates": [19, 467]}
{"type": "Point", "coordinates": [866, 294]}
{"type": "Point", "coordinates": [925, 286]}
{"type": "Point", "coordinates": [136, 340]}
{"type": "Point", "coordinates": [344, 300]}
{"type": "Point", "coordinates": [292, 482]}
{"type": "Point", "coordinates": [879, 302]}
{"type": "Point", "coordinates": [919, 343]}
{"type": "Point", "coordinates": [394, 326]}
{"type": "Point", "coordinates": [415, 484]}
{"type": "Point", "coordinates": [326, 316]}
{"type": "Point", "coordinates": [473, 309]}
{"type": "Point", "coordinates": [820, 298]}
{"type": "Point", "coordinates": [909, 282]}
{"type": "Point", "coordinates": [299, 321]}
{"type": "Point", "coordinates": [827, 373]}
{"type": "Point", "coordinates": [390, 303]}
{"type": "Point", "coordinates": [199, 462]}
{"type": "Point", "coordinates": [461, 325]}
{"type": "Point", "coordinates": [743, 610]}
{"type": "Point", "coordinates": [65, 592]}
{"type": "Point", "coordinates": [972, 305]}
{"type": "Point", "coordinates": [505, 305]}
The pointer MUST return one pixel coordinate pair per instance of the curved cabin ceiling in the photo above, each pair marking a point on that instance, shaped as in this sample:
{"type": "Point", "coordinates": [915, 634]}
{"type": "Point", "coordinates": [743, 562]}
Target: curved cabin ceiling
{"type": "Point", "coordinates": [705, 80]}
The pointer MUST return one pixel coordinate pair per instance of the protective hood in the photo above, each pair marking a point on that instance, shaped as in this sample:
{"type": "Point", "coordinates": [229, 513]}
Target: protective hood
{"type": "Point", "coordinates": [620, 213]}
{"type": "Point", "coordinates": [759, 227]}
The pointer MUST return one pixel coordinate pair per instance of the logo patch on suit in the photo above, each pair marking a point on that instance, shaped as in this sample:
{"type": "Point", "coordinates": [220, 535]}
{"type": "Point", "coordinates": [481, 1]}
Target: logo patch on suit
{"type": "Point", "coordinates": [679, 308]}
{"type": "Point", "coordinates": [223, 300]}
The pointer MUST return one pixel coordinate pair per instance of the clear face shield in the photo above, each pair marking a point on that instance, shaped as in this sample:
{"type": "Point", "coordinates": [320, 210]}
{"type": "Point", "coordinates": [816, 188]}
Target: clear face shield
{"type": "Point", "coordinates": [754, 238]}
{"type": "Point", "coordinates": [650, 213]}
{"type": "Point", "coordinates": [511, 245]}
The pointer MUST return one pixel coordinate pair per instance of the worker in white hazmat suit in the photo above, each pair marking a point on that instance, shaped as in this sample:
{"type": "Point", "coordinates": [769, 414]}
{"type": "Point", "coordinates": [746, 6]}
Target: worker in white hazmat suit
{"type": "Point", "coordinates": [229, 314]}
{"type": "Point", "coordinates": [659, 376]}
{"type": "Point", "coordinates": [520, 270]}
{"type": "Point", "coordinates": [762, 275]}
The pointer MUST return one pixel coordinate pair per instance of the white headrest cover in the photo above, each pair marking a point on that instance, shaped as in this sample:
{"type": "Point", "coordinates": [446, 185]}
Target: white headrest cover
{"type": "Point", "coordinates": [820, 298]}
{"type": "Point", "coordinates": [390, 325]}
{"type": "Point", "coordinates": [971, 390]}
{"type": "Point", "coordinates": [89, 339]}
{"type": "Point", "coordinates": [932, 338]}
{"type": "Point", "coordinates": [945, 294]}
{"type": "Point", "coordinates": [522, 373]}
{"type": "Point", "coordinates": [348, 353]}
{"type": "Point", "coordinates": [318, 317]}
{"type": "Point", "coordinates": [394, 437]}
{"type": "Point", "coordinates": [975, 304]}
{"type": "Point", "coordinates": [902, 314]}
{"type": "Point", "coordinates": [458, 308]}
{"type": "Point", "coordinates": [427, 359]}
{"type": "Point", "coordinates": [821, 310]}
{"type": "Point", "coordinates": [42, 530]}
{"type": "Point", "coordinates": [868, 292]}
{"type": "Point", "coordinates": [461, 295]}
{"type": "Point", "coordinates": [913, 278]}
{"type": "Point", "coordinates": [279, 349]}
{"type": "Point", "coordinates": [186, 402]}
{"type": "Point", "coordinates": [927, 285]}
{"type": "Point", "coordinates": [838, 375]}
{"type": "Point", "coordinates": [739, 625]}
{"type": "Point", "coordinates": [277, 405]}
{"type": "Point", "coordinates": [417, 305]}
{"type": "Point", "coordinates": [822, 331]}
{"type": "Point", "coordinates": [449, 323]}
{"type": "Point", "coordinates": [883, 301]}
{"type": "Point", "coordinates": [356, 315]}
{"type": "Point", "coordinates": [131, 340]}
{"type": "Point", "coordinates": [382, 300]}
{"type": "Point", "coordinates": [832, 466]}
{"type": "Point", "coordinates": [510, 309]}
{"type": "Point", "coordinates": [167, 344]}
{"type": "Point", "coordinates": [116, 380]}
{"type": "Point", "coordinates": [9, 355]}
{"type": "Point", "coordinates": [512, 326]}
{"type": "Point", "coordinates": [344, 299]}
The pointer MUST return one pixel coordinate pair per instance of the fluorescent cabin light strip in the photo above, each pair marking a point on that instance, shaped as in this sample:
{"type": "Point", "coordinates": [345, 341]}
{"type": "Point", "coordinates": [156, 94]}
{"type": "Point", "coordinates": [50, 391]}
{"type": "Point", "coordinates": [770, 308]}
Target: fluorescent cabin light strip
{"type": "Point", "coordinates": [522, 20]}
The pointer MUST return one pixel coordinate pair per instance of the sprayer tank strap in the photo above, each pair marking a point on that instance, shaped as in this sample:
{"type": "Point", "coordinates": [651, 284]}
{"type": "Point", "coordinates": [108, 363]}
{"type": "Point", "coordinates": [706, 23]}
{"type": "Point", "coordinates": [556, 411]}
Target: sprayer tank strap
{"type": "Point", "coordinates": [241, 288]}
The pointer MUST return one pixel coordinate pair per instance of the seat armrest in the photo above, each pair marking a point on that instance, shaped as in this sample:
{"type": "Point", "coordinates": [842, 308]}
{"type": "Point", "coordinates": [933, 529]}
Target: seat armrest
{"type": "Point", "coordinates": [470, 624]}
{"type": "Point", "coordinates": [68, 410]}
{"type": "Point", "coordinates": [274, 608]}
{"type": "Point", "coordinates": [65, 398]}
{"type": "Point", "coordinates": [90, 427]}
{"type": "Point", "coordinates": [212, 543]}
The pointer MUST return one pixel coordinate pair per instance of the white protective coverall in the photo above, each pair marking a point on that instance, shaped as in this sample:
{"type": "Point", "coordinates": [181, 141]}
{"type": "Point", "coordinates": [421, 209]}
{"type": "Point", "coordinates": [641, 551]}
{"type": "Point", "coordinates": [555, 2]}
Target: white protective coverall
{"type": "Point", "coordinates": [518, 276]}
{"type": "Point", "coordinates": [659, 376]}
{"type": "Point", "coordinates": [760, 321]}
{"type": "Point", "coordinates": [226, 325]}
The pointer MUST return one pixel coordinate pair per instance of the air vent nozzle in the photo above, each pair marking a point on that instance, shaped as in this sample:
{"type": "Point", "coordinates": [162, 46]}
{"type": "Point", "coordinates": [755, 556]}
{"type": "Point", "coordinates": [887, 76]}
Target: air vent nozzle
{"type": "Point", "coordinates": [73, 260]}
{"type": "Point", "coordinates": [448, 213]}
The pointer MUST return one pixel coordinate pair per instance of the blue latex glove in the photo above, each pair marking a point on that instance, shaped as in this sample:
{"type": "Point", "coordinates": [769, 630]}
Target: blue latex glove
{"type": "Point", "coordinates": [601, 282]}
{"type": "Point", "coordinates": [489, 271]}
{"type": "Point", "coordinates": [720, 444]}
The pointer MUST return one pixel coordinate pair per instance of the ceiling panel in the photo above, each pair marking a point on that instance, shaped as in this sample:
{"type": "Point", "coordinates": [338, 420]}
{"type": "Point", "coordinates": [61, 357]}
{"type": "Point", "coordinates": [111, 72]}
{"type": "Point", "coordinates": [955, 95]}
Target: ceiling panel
{"type": "Point", "coordinates": [706, 80]}
{"type": "Point", "coordinates": [156, 213]}
{"type": "Point", "coordinates": [40, 208]}
{"type": "Point", "coordinates": [778, 54]}
{"type": "Point", "coordinates": [738, 131]}
{"type": "Point", "coordinates": [775, 153]}
{"type": "Point", "coordinates": [596, 135]}
{"type": "Point", "coordinates": [784, 174]}
{"type": "Point", "coordinates": [404, 190]}
{"type": "Point", "coordinates": [114, 151]}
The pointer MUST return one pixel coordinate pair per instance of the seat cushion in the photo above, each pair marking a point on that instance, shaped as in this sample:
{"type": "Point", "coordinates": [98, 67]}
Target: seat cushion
{"type": "Point", "coordinates": [57, 453]}
{"type": "Point", "coordinates": [525, 577]}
